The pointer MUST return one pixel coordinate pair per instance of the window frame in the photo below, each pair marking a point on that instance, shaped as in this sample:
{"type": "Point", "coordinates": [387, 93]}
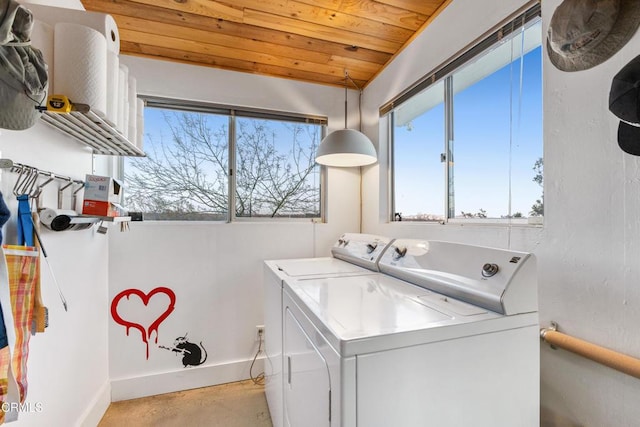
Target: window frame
{"type": "Point", "coordinates": [528, 15]}
{"type": "Point", "coordinates": [232, 113]}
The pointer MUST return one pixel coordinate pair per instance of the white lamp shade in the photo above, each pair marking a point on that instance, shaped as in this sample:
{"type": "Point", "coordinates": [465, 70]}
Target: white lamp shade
{"type": "Point", "coordinates": [346, 148]}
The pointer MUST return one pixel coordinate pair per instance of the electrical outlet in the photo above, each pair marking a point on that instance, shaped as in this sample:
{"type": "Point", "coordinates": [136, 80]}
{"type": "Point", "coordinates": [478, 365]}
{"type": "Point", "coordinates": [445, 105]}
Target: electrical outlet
{"type": "Point", "coordinates": [259, 332]}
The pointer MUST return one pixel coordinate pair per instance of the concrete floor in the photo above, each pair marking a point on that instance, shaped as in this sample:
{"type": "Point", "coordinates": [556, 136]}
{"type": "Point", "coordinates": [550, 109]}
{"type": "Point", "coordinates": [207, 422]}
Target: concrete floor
{"type": "Point", "coordinates": [241, 404]}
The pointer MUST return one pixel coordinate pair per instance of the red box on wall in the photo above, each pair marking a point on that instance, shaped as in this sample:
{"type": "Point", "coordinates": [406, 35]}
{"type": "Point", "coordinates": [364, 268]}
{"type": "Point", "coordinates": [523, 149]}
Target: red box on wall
{"type": "Point", "coordinates": [101, 196]}
{"type": "Point", "coordinates": [99, 208]}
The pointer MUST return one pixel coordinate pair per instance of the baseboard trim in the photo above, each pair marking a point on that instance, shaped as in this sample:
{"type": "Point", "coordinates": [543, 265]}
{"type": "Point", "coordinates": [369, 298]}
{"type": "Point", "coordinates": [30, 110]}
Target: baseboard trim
{"type": "Point", "coordinates": [97, 407]}
{"type": "Point", "coordinates": [183, 379]}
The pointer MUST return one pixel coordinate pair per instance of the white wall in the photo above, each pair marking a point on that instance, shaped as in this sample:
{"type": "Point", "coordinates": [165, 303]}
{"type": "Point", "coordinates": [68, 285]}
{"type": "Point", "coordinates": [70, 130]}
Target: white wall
{"type": "Point", "coordinates": [67, 367]}
{"type": "Point", "coordinates": [589, 275]}
{"type": "Point", "coordinates": [68, 363]}
{"type": "Point", "coordinates": [215, 269]}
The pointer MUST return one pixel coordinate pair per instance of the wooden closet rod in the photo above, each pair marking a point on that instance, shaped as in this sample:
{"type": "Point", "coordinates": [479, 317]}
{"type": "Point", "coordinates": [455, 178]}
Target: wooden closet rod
{"type": "Point", "coordinates": [618, 361]}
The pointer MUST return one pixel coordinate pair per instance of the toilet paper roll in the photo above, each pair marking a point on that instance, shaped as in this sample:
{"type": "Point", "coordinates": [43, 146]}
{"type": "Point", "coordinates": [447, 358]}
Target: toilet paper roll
{"type": "Point", "coordinates": [42, 39]}
{"type": "Point", "coordinates": [140, 124]}
{"type": "Point", "coordinates": [123, 100]}
{"type": "Point", "coordinates": [133, 109]}
{"type": "Point", "coordinates": [101, 22]}
{"type": "Point", "coordinates": [113, 74]}
{"type": "Point", "coordinates": [80, 59]}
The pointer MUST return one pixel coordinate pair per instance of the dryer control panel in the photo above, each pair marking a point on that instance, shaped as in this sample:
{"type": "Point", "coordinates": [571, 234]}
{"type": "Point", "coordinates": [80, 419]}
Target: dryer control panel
{"type": "Point", "coordinates": [364, 250]}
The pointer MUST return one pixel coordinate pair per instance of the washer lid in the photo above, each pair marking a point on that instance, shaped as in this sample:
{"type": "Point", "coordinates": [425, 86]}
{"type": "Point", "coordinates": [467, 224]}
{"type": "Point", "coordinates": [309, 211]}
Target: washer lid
{"type": "Point", "coordinates": [377, 307]}
{"type": "Point", "coordinates": [372, 306]}
{"type": "Point", "coordinates": [366, 314]}
{"type": "Point", "coordinates": [318, 267]}
{"type": "Point", "coordinates": [449, 305]}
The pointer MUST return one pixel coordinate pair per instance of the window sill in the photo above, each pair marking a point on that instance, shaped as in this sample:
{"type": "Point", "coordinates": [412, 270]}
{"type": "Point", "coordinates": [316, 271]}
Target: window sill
{"type": "Point", "coordinates": [533, 222]}
{"type": "Point", "coordinates": [183, 222]}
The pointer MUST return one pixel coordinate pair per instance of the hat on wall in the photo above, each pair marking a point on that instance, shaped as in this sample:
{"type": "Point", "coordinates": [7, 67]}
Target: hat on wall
{"type": "Point", "coordinates": [624, 102]}
{"type": "Point", "coordinates": [585, 33]}
{"type": "Point", "coordinates": [23, 72]}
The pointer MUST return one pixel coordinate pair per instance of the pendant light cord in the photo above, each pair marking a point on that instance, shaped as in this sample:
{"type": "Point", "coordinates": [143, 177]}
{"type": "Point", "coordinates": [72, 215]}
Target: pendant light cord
{"type": "Point", "coordinates": [347, 77]}
{"type": "Point", "coordinates": [345, 102]}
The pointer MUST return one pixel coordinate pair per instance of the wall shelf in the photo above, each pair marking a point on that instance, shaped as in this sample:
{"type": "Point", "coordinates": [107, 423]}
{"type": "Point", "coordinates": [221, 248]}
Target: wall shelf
{"type": "Point", "coordinates": [90, 129]}
{"type": "Point", "coordinates": [95, 218]}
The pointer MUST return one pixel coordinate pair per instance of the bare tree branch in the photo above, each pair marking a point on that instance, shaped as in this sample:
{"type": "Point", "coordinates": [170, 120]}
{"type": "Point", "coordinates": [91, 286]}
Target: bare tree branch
{"type": "Point", "coordinates": [188, 173]}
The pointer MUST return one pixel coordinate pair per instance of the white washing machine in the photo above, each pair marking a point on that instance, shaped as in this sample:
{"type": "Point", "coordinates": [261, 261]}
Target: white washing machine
{"type": "Point", "coordinates": [455, 343]}
{"type": "Point", "coordinates": [352, 255]}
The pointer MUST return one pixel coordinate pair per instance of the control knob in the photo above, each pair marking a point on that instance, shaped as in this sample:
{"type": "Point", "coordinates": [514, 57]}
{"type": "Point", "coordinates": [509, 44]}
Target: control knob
{"type": "Point", "coordinates": [400, 253]}
{"type": "Point", "coordinates": [489, 270]}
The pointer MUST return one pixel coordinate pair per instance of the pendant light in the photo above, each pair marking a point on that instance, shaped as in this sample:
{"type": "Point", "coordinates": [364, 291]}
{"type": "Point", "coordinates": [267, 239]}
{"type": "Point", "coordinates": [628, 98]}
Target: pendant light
{"type": "Point", "coordinates": [346, 147]}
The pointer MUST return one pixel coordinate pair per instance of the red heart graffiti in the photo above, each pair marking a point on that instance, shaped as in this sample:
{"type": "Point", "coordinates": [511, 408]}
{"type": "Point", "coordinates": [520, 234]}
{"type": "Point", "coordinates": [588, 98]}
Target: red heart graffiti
{"type": "Point", "coordinates": [146, 333]}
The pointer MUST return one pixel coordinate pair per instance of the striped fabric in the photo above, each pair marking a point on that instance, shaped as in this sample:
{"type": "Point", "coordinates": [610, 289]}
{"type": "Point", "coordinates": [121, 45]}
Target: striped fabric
{"type": "Point", "coordinates": [23, 272]}
{"type": "Point", "coordinates": [5, 359]}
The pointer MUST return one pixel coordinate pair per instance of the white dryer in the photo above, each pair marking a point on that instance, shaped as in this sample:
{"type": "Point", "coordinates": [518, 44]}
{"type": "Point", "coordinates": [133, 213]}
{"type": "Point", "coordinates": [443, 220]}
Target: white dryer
{"type": "Point", "coordinates": [353, 254]}
{"type": "Point", "coordinates": [454, 343]}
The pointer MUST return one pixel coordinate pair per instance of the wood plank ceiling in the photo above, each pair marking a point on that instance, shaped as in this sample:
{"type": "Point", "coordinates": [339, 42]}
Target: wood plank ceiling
{"type": "Point", "coordinates": [310, 40]}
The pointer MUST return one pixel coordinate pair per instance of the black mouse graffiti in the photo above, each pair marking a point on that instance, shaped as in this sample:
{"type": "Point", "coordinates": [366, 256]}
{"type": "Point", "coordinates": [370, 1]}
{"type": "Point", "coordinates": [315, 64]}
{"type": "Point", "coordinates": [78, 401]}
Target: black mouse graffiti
{"type": "Point", "coordinates": [191, 353]}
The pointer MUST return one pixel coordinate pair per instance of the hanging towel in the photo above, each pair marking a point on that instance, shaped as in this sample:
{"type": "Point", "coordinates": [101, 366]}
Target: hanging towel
{"type": "Point", "coordinates": [9, 394]}
{"type": "Point", "coordinates": [17, 267]}
{"type": "Point", "coordinates": [21, 278]}
{"type": "Point", "coordinates": [25, 224]}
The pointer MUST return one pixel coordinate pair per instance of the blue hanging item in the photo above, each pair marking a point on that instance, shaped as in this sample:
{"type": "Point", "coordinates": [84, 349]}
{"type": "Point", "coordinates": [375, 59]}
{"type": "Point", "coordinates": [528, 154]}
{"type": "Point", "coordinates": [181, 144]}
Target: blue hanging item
{"type": "Point", "coordinates": [4, 214]}
{"type": "Point", "coordinates": [4, 341]}
{"type": "Point", "coordinates": [4, 217]}
{"type": "Point", "coordinates": [25, 223]}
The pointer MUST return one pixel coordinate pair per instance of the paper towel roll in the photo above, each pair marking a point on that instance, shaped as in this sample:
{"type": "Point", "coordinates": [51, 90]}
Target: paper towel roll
{"type": "Point", "coordinates": [133, 109]}
{"type": "Point", "coordinates": [140, 124]}
{"type": "Point", "coordinates": [123, 100]}
{"type": "Point", "coordinates": [101, 22]}
{"type": "Point", "coordinates": [113, 74]}
{"type": "Point", "coordinates": [42, 39]}
{"type": "Point", "coordinates": [57, 219]}
{"type": "Point", "coordinates": [80, 59]}
{"type": "Point", "coordinates": [125, 125]}
{"type": "Point", "coordinates": [133, 133]}
{"type": "Point", "coordinates": [121, 77]}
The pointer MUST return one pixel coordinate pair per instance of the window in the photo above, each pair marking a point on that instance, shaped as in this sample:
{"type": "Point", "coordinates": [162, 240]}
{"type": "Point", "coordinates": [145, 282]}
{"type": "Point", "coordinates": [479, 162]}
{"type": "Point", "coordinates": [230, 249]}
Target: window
{"type": "Point", "coordinates": [418, 138]}
{"type": "Point", "coordinates": [215, 163]}
{"type": "Point", "coordinates": [466, 141]}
